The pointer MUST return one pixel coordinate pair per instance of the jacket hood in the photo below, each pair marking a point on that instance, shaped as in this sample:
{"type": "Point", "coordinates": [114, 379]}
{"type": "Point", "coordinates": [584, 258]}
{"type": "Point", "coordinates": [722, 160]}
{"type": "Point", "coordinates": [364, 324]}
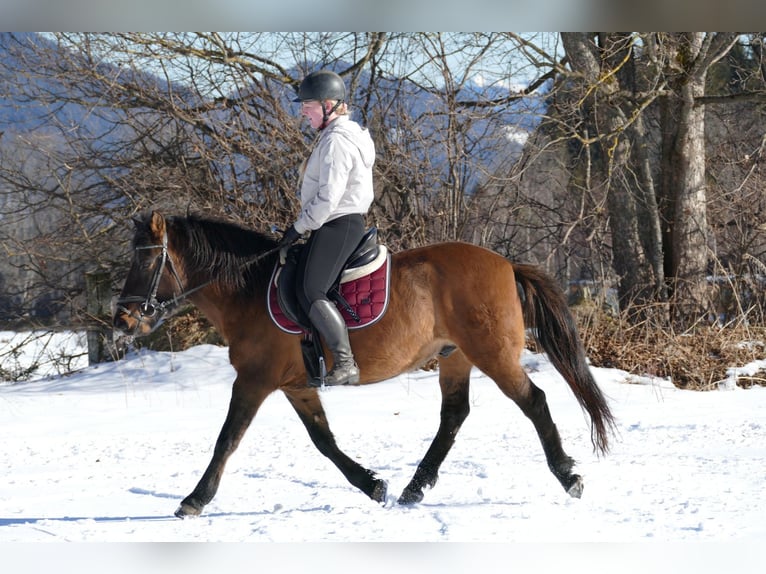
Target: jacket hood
{"type": "Point", "coordinates": [357, 135]}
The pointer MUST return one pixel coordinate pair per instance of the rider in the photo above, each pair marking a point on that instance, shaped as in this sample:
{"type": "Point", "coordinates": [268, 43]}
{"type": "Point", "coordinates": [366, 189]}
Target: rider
{"type": "Point", "coordinates": [335, 194]}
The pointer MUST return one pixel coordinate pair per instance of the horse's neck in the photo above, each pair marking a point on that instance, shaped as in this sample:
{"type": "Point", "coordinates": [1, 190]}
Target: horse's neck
{"type": "Point", "coordinates": [210, 308]}
{"type": "Point", "coordinates": [225, 309]}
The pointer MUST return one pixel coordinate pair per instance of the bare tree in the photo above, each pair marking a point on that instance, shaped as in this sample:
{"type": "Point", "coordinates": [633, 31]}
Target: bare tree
{"type": "Point", "coordinates": [601, 65]}
{"type": "Point", "coordinates": [619, 76]}
{"type": "Point", "coordinates": [687, 57]}
{"type": "Point", "coordinates": [578, 151]}
{"type": "Point", "coordinates": [204, 122]}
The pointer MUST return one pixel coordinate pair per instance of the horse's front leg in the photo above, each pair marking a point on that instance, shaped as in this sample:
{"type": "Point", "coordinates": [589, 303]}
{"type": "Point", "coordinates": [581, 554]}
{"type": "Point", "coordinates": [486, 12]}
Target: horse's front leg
{"type": "Point", "coordinates": [245, 400]}
{"type": "Point", "coordinates": [308, 405]}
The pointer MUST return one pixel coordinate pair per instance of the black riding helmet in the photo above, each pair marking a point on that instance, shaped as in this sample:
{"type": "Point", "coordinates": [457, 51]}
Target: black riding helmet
{"type": "Point", "coordinates": [320, 86]}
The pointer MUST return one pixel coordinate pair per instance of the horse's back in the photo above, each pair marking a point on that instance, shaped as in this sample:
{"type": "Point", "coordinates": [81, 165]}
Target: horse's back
{"type": "Point", "coordinates": [455, 266]}
{"type": "Point", "coordinates": [444, 295]}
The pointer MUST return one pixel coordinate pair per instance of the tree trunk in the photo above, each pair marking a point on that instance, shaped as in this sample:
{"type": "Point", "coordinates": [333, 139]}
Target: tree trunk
{"type": "Point", "coordinates": [689, 233]}
{"type": "Point", "coordinates": [684, 202]}
{"type": "Point", "coordinates": [605, 114]}
{"type": "Point", "coordinates": [649, 220]}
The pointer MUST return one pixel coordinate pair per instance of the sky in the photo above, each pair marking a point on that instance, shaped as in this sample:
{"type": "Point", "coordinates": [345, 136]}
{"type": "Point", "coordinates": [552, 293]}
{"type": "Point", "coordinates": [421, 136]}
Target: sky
{"type": "Point", "coordinates": [290, 15]}
{"type": "Point", "coordinates": [394, 15]}
{"type": "Point", "coordinates": [106, 453]}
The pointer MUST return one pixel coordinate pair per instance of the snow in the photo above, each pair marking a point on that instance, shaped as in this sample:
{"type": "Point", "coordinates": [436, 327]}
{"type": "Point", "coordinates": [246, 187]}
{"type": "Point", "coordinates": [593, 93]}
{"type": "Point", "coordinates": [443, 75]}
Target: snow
{"type": "Point", "coordinates": [106, 453]}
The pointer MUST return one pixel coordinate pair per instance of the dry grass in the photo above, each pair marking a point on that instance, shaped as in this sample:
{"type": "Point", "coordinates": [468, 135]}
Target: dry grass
{"type": "Point", "coordinates": [698, 359]}
{"type": "Point", "coordinates": [184, 330]}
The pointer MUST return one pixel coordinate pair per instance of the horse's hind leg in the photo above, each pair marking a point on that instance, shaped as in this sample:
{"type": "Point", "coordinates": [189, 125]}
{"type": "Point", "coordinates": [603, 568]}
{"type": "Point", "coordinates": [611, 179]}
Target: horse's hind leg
{"type": "Point", "coordinates": [531, 399]}
{"type": "Point", "coordinates": [242, 408]}
{"type": "Point", "coordinates": [536, 408]}
{"type": "Point", "coordinates": [307, 404]}
{"type": "Point", "coordinates": [454, 378]}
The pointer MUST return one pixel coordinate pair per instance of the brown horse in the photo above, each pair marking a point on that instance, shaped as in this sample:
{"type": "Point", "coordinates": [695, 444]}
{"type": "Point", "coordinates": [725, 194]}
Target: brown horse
{"type": "Point", "coordinates": [461, 304]}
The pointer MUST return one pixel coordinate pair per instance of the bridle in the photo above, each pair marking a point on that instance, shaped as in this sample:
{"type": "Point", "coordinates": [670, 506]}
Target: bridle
{"type": "Point", "coordinates": [150, 306]}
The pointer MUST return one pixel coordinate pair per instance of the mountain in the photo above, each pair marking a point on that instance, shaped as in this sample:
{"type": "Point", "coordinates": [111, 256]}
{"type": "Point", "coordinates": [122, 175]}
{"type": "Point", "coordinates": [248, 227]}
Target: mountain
{"type": "Point", "coordinates": [30, 101]}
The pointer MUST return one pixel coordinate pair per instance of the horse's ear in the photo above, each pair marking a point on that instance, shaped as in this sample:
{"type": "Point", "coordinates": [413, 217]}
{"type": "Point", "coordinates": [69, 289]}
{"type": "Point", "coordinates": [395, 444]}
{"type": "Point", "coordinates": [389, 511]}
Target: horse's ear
{"type": "Point", "coordinates": [138, 221]}
{"type": "Point", "coordinates": [157, 223]}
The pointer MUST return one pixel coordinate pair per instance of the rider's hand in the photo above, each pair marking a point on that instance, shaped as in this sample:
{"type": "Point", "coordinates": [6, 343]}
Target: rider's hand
{"type": "Point", "coordinates": [290, 236]}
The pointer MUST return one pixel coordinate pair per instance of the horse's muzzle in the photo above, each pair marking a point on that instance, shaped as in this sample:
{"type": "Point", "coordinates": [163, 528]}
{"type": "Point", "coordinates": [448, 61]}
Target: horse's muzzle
{"type": "Point", "coordinates": [138, 322]}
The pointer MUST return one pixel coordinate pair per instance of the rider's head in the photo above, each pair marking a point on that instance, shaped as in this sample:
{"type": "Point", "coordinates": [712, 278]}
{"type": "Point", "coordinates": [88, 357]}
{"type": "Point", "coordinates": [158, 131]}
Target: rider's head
{"type": "Point", "coordinates": [322, 96]}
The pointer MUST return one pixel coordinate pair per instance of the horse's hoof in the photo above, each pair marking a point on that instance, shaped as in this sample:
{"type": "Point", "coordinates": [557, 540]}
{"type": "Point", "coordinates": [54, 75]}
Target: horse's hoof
{"type": "Point", "coordinates": [380, 491]}
{"type": "Point", "coordinates": [410, 497]}
{"type": "Point", "coordinates": [186, 510]}
{"type": "Point", "coordinates": [575, 489]}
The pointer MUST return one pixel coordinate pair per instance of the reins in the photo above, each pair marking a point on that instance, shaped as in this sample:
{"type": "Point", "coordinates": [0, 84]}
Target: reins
{"type": "Point", "coordinates": [149, 304]}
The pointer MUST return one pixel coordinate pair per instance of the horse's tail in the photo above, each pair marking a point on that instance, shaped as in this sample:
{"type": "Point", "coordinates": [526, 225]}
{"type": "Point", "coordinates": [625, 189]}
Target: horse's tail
{"type": "Point", "coordinates": [546, 313]}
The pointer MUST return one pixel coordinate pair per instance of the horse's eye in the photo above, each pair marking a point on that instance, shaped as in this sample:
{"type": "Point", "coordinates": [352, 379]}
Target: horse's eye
{"type": "Point", "coordinates": [144, 261]}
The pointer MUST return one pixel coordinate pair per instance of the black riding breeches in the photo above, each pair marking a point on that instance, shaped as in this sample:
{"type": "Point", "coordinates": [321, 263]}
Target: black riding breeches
{"type": "Point", "coordinates": [324, 255]}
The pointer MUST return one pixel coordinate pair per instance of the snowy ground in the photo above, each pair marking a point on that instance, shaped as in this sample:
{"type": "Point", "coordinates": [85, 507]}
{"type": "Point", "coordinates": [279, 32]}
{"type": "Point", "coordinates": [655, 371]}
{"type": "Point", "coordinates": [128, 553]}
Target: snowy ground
{"type": "Point", "coordinates": [107, 453]}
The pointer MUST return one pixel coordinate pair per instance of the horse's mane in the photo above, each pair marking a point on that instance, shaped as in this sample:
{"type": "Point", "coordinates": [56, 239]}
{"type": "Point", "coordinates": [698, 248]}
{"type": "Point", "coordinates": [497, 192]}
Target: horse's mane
{"type": "Point", "coordinates": [221, 250]}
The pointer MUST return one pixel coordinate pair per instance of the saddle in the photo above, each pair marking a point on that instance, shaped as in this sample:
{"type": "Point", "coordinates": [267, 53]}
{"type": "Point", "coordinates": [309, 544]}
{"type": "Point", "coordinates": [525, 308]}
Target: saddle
{"type": "Point", "coordinates": [360, 291]}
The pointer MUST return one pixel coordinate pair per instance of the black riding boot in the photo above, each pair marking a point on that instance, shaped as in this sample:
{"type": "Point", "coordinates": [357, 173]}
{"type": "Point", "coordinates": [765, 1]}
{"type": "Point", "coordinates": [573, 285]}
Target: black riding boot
{"type": "Point", "coordinates": [331, 326]}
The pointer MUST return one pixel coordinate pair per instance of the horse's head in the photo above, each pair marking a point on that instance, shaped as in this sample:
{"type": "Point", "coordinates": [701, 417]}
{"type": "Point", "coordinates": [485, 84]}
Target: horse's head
{"type": "Point", "coordinates": [154, 284]}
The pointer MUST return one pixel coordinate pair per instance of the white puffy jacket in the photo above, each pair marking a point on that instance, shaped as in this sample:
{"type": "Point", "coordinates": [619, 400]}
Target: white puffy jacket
{"type": "Point", "coordinates": [338, 176]}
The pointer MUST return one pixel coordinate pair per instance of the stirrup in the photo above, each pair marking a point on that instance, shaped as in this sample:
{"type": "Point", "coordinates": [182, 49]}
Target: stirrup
{"type": "Point", "coordinates": [316, 382]}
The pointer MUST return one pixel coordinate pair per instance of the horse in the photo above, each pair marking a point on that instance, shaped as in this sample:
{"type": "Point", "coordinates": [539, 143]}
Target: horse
{"type": "Point", "coordinates": [454, 302]}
